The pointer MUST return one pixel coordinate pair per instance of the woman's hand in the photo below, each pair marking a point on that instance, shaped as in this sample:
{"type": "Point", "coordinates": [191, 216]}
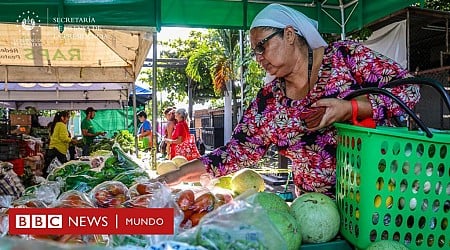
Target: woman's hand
{"type": "Point", "coordinates": [327, 112]}
{"type": "Point", "coordinates": [336, 110]}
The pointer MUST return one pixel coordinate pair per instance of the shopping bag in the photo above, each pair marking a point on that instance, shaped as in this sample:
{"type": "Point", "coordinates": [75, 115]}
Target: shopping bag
{"type": "Point", "coordinates": [188, 149]}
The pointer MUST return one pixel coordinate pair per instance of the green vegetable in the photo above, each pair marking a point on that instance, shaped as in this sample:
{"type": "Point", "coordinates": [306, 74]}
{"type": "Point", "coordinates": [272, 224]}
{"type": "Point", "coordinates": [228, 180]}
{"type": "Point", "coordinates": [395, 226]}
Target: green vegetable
{"type": "Point", "coordinates": [212, 237]}
{"type": "Point", "coordinates": [68, 169]}
{"type": "Point", "coordinates": [82, 183]}
{"type": "Point", "coordinates": [30, 190]}
{"type": "Point", "coordinates": [111, 161]}
{"type": "Point", "coordinates": [129, 177]}
{"type": "Point", "coordinates": [123, 158]}
{"type": "Point", "coordinates": [129, 240]}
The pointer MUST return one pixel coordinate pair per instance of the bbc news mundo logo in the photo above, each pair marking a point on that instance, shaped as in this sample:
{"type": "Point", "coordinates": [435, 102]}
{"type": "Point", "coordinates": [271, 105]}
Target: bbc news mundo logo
{"type": "Point", "coordinates": [57, 221]}
{"type": "Point", "coordinates": [27, 221]}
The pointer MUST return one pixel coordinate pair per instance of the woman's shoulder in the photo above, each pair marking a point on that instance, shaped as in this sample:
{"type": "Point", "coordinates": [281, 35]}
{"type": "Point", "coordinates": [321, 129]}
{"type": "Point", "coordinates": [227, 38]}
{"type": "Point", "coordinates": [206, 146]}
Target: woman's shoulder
{"type": "Point", "coordinates": [349, 43]}
{"type": "Point", "coordinates": [344, 44]}
{"type": "Point", "coordinates": [270, 85]}
{"type": "Point", "coordinates": [179, 124]}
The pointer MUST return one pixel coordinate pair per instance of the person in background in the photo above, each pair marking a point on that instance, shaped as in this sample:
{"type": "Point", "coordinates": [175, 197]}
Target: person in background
{"type": "Point", "coordinates": [145, 130]}
{"type": "Point", "coordinates": [180, 140]}
{"type": "Point", "coordinates": [169, 114]}
{"type": "Point", "coordinates": [59, 140]}
{"type": "Point", "coordinates": [88, 131]}
{"type": "Point", "coordinates": [295, 111]}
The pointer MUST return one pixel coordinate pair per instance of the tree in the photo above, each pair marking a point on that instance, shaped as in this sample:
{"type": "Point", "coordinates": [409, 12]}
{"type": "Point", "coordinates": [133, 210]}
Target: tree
{"type": "Point", "coordinates": [174, 81]}
{"type": "Point", "coordinates": [443, 5]}
{"type": "Point", "coordinates": [225, 70]}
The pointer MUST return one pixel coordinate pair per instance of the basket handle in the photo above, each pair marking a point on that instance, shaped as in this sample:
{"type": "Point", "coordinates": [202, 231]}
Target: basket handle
{"type": "Point", "coordinates": [376, 90]}
{"type": "Point", "coordinates": [422, 81]}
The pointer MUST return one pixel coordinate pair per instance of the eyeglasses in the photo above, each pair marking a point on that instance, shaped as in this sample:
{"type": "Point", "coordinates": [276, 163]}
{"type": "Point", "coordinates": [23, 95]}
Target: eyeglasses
{"type": "Point", "coordinates": [259, 48]}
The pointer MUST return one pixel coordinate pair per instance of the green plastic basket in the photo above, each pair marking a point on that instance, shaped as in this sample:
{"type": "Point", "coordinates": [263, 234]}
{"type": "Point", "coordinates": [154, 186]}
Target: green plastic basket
{"type": "Point", "coordinates": [393, 184]}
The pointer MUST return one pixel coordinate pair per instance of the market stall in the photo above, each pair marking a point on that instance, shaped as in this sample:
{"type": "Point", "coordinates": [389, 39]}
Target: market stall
{"type": "Point", "coordinates": [66, 56]}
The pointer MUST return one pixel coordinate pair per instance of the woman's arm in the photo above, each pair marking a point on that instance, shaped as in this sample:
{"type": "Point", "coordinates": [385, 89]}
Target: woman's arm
{"type": "Point", "coordinates": [188, 172]}
{"type": "Point", "coordinates": [372, 69]}
{"type": "Point", "coordinates": [170, 128]}
{"type": "Point", "coordinates": [248, 144]}
{"type": "Point", "coordinates": [145, 134]}
{"type": "Point", "coordinates": [178, 140]}
{"type": "Point", "coordinates": [177, 135]}
{"type": "Point", "coordinates": [368, 69]}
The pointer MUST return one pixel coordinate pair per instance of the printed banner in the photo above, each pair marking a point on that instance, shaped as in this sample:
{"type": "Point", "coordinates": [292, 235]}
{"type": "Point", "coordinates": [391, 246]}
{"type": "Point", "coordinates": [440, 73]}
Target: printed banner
{"type": "Point", "coordinates": [91, 221]}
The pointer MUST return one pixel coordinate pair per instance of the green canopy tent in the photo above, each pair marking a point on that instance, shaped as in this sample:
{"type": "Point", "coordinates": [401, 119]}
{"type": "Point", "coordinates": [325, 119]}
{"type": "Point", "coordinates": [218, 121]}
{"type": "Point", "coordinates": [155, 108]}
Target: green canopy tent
{"type": "Point", "coordinates": [334, 16]}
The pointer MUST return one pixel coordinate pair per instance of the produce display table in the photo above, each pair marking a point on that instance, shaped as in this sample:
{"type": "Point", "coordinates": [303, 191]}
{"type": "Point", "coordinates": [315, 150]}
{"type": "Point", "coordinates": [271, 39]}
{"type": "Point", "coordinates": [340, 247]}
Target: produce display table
{"type": "Point", "coordinates": [337, 244]}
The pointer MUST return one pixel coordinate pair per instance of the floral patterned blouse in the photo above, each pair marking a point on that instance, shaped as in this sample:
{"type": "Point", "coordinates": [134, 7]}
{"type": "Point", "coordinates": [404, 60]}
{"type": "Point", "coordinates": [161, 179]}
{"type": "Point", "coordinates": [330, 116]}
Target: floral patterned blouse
{"type": "Point", "coordinates": [273, 118]}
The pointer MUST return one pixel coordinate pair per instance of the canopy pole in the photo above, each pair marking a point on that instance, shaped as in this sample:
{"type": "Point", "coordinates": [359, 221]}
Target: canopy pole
{"type": "Point", "coordinates": [241, 48]}
{"type": "Point", "coordinates": [133, 87]}
{"type": "Point", "coordinates": [342, 8]}
{"type": "Point", "coordinates": [6, 78]}
{"type": "Point", "coordinates": [154, 99]}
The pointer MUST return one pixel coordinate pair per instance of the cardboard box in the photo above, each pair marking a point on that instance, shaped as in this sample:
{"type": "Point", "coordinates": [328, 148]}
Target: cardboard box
{"type": "Point", "coordinates": [19, 119]}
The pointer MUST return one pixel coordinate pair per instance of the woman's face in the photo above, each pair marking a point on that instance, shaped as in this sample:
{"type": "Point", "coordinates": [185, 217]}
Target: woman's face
{"type": "Point", "coordinates": [141, 118]}
{"type": "Point", "coordinates": [65, 119]}
{"type": "Point", "coordinates": [178, 116]}
{"type": "Point", "coordinates": [278, 56]}
{"type": "Point", "coordinates": [169, 115]}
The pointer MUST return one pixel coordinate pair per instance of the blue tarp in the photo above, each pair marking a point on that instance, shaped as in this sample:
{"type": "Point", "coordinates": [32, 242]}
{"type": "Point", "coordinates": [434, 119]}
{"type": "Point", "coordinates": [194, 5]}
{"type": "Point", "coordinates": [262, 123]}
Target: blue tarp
{"type": "Point", "coordinates": [143, 95]}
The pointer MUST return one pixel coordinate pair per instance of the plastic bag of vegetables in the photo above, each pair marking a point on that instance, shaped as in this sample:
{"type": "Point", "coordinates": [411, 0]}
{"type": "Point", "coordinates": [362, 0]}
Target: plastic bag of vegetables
{"type": "Point", "coordinates": [47, 191]}
{"type": "Point", "coordinates": [157, 195]}
{"type": "Point", "coordinates": [81, 182]}
{"type": "Point", "coordinates": [109, 194]}
{"type": "Point", "coordinates": [236, 225]}
{"type": "Point", "coordinates": [73, 199]}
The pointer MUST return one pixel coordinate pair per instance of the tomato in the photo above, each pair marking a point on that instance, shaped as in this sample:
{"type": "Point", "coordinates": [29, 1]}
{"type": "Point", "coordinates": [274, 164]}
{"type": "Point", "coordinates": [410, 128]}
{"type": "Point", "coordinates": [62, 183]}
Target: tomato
{"type": "Point", "coordinates": [141, 188]}
{"type": "Point", "coordinates": [185, 199]}
{"type": "Point", "coordinates": [195, 218]}
{"type": "Point", "coordinates": [204, 202]}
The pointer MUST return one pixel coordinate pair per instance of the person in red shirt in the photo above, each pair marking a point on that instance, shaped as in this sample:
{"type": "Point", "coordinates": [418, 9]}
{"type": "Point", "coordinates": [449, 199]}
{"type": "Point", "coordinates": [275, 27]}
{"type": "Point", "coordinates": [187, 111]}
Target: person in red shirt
{"type": "Point", "coordinates": [180, 142]}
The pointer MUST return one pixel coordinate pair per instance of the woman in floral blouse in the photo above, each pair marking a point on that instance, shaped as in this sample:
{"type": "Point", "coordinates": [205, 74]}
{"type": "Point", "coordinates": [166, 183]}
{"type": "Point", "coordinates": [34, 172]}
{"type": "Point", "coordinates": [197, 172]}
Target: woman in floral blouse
{"type": "Point", "coordinates": [295, 111]}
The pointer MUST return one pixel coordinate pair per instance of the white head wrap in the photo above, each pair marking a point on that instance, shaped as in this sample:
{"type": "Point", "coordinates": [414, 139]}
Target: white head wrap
{"type": "Point", "coordinates": [279, 16]}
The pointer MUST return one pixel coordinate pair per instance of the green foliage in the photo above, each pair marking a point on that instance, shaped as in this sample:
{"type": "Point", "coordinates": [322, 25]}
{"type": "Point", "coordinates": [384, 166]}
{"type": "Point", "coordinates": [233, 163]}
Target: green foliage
{"type": "Point", "coordinates": [443, 5]}
{"type": "Point", "coordinates": [362, 34]}
{"type": "Point", "coordinates": [253, 76]}
{"type": "Point", "coordinates": [199, 50]}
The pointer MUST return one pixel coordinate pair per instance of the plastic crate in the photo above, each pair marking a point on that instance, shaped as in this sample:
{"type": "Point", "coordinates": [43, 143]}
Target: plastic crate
{"type": "Point", "coordinates": [9, 149]}
{"type": "Point", "coordinates": [393, 184]}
